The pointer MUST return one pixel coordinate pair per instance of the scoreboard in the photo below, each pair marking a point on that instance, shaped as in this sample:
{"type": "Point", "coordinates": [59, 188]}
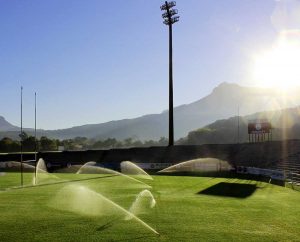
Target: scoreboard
{"type": "Point", "coordinates": [259, 130]}
{"type": "Point", "coordinates": [260, 126]}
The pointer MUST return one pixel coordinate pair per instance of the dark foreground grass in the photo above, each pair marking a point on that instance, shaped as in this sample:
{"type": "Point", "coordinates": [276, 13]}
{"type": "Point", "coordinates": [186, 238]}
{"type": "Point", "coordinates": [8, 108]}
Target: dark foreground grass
{"type": "Point", "coordinates": [187, 209]}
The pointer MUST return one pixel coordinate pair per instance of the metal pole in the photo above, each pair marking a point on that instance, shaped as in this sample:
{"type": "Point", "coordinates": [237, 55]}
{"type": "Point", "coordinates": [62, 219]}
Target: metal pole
{"type": "Point", "coordinates": [21, 136]}
{"type": "Point", "coordinates": [35, 145]}
{"type": "Point", "coordinates": [271, 135]}
{"type": "Point", "coordinates": [171, 118]}
{"type": "Point", "coordinates": [169, 19]}
{"type": "Point", "coordinates": [238, 134]}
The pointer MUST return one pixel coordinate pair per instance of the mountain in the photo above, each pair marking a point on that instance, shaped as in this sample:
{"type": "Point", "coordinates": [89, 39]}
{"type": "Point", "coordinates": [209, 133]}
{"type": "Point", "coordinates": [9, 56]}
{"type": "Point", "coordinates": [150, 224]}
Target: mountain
{"type": "Point", "coordinates": [6, 126]}
{"type": "Point", "coordinates": [285, 125]}
{"type": "Point", "coordinates": [222, 103]}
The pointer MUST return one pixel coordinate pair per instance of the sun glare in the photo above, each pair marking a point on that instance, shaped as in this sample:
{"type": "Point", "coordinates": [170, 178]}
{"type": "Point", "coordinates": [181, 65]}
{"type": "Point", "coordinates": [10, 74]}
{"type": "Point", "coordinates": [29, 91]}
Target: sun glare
{"type": "Point", "coordinates": [279, 66]}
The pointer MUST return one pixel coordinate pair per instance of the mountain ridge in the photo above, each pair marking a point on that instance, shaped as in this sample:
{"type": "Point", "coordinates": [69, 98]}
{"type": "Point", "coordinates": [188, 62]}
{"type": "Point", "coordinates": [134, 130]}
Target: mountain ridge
{"type": "Point", "coordinates": [6, 126]}
{"type": "Point", "coordinates": [285, 126]}
{"type": "Point", "coordinates": [222, 102]}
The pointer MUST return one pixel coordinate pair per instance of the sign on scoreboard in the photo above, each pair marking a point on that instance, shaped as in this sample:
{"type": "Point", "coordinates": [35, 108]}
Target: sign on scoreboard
{"type": "Point", "coordinates": [259, 130]}
{"type": "Point", "coordinates": [259, 126]}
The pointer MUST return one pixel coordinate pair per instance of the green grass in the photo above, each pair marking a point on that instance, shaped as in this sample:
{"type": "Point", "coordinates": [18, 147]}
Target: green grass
{"type": "Point", "coordinates": [182, 212]}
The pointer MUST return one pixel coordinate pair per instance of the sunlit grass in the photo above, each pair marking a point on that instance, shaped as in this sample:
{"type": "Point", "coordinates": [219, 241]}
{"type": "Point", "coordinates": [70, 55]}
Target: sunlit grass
{"type": "Point", "coordinates": [181, 213]}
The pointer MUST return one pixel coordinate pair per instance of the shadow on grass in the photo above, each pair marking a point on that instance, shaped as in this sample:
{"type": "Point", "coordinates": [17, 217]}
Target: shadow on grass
{"type": "Point", "coordinates": [140, 238]}
{"type": "Point", "coordinates": [223, 174]}
{"type": "Point", "coordinates": [226, 189]}
{"type": "Point", "coordinates": [106, 225]}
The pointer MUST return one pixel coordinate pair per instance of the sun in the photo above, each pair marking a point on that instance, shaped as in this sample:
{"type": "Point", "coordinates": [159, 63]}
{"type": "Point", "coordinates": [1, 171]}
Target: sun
{"type": "Point", "coordinates": [279, 66]}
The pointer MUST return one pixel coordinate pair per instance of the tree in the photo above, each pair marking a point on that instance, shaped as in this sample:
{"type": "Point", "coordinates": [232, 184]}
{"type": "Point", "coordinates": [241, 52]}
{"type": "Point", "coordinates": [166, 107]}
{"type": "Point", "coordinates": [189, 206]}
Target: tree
{"type": "Point", "coordinates": [47, 144]}
{"type": "Point", "coordinates": [128, 142]}
{"type": "Point", "coordinates": [23, 135]}
{"type": "Point", "coordinates": [68, 144]}
{"type": "Point", "coordinates": [137, 143]}
{"type": "Point", "coordinates": [9, 145]}
{"type": "Point", "coordinates": [110, 143]}
{"type": "Point", "coordinates": [29, 143]}
{"type": "Point", "coordinates": [163, 141]}
{"type": "Point", "coordinates": [98, 144]}
{"type": "Point", "coordinates": [150, 143]}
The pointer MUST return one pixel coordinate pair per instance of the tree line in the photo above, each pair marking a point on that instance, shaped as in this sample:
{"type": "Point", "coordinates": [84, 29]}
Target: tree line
{"type": "Point", "coordinates": [29, 144]}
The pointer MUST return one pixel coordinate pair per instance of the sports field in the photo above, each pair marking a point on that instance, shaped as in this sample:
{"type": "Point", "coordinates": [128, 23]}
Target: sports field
{"type": "Point", "coordinates": [81, 207]}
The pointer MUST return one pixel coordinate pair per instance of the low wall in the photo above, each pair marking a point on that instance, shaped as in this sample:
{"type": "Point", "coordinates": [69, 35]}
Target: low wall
{"type": "Point", "coordinates": [257, 155]}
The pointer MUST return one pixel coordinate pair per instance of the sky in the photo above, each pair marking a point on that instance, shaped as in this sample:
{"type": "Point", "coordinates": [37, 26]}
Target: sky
{"type": "Point", "coordinates": [95, 61]}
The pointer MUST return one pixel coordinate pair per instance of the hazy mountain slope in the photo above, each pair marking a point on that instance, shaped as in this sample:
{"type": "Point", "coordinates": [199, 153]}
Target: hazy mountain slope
{"type": "Point", "coordinates": [6, 126]}
{"type": "Point", "coordinates": [223, 102]}
{"type": "Point", "coordinates": [285, 123]}
{"type": "Point", "coordinates": [146, 127]}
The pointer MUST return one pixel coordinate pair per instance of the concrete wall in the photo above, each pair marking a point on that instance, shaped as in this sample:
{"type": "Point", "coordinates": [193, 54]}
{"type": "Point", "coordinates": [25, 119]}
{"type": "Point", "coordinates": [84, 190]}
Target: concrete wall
{"type": "Point", "coordinates": [260, 154]}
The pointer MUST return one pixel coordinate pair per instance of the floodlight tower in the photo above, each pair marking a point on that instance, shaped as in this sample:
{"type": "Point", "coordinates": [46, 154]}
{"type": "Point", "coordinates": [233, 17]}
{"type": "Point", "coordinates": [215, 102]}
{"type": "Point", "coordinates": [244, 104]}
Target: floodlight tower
{"type": "Point", "coordinates": [169, 19]}
{"type": "Point", "coordinates": [35, 140]}
{"type": "Point", "coordinates": [22, 137]}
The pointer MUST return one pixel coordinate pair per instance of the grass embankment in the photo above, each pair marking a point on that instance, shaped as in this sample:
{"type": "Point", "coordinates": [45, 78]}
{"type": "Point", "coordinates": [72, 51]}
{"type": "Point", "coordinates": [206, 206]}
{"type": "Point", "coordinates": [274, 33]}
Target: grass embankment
{"type": "Point", "coordinates": [187, 209]}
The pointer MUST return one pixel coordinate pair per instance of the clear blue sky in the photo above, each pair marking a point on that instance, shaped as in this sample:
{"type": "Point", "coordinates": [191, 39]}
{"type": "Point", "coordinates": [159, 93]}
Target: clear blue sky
{"type": "Point", "coordinates": [94, 61]}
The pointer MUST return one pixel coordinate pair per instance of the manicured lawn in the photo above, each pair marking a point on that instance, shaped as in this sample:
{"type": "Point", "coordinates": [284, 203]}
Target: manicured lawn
{"type": "Point", "coordinates": [187, 209]}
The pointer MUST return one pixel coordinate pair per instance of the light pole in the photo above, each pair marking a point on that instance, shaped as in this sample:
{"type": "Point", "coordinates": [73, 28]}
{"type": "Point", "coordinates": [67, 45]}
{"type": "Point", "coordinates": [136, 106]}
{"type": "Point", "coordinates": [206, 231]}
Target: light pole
{"type": "Point", "coordinates": [21, 136]}
{"type": "Point", "coordinates": [169, 19]}
{"type": "Point", "coordinates": [238, 131]}
{"type": "Point", "coordinates": [35, 140]}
